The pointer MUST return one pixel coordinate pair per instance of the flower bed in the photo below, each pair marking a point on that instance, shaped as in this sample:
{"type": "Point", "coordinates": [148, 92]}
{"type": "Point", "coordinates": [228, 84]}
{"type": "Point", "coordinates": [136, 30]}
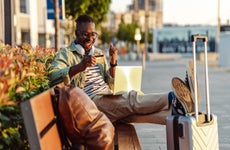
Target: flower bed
{"type": "Point", "coordinates": [23, 74]}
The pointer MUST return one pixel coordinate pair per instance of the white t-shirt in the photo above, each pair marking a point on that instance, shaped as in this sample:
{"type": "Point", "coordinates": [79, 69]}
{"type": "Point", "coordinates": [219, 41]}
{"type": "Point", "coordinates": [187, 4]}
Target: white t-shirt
{"type": "Point", "coordinates": [94, 82]}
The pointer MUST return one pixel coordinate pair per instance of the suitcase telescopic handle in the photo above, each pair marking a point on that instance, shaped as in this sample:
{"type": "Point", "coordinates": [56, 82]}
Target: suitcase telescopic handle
{"type": "Point", "coordinates": [198, 36]}
{"type": "Point", "coordinates": [205, 40]}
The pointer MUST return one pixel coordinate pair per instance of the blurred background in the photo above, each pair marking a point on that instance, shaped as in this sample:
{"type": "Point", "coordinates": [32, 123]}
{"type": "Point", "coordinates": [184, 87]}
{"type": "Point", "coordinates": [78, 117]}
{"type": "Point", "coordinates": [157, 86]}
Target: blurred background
{"type": "Point", "coordinates": [156, 29]}
{"type": "Point", "coordinates": [134, 26]}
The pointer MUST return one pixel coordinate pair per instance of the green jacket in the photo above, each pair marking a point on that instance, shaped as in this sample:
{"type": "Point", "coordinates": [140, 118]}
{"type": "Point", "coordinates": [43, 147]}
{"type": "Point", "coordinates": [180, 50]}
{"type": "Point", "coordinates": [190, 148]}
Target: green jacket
{"type": "Point", "coordinates": [65, 58]}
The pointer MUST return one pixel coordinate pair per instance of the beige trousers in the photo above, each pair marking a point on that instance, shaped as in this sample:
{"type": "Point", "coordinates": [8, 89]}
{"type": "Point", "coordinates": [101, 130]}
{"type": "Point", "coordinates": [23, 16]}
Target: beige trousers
{"type": "Point", "coordinates": [131, 107]}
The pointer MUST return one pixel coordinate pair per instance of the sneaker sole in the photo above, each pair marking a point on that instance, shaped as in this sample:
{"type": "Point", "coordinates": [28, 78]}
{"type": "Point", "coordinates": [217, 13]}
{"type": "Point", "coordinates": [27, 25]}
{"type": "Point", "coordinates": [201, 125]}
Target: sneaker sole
{"type": "Point", "coordinates": [182, 93]}
{"type": "Point", "coordinates": [190, 72]}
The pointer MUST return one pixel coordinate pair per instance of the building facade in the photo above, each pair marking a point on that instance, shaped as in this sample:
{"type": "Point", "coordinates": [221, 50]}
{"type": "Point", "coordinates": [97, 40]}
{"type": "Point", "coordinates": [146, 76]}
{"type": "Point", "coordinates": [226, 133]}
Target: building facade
{"type": "Point", "coordinates": [155, 16]}
{"type": "Point", "coordinates": [29, 23]}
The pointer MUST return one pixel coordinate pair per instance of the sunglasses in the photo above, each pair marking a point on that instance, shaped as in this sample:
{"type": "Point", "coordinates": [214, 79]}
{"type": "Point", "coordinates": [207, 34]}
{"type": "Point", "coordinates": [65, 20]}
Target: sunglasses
{"type": "Point", "coordinates": [87, 34]}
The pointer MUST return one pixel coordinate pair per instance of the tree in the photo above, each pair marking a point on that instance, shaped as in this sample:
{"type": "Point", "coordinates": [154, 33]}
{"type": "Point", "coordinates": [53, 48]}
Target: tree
{"type": "Point", "coordinates": [126, 32]}
{"type": "Point", "coordinates": [150, 37]}
{"type": "Point", "coordinates": [94, 8]}
{"type": "Point", "coordinates": [105, 36]}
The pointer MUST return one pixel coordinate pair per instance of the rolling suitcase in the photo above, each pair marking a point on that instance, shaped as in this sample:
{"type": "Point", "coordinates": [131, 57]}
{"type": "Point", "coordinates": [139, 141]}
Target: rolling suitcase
{"type": "Point", "coordinates": [197, 130]}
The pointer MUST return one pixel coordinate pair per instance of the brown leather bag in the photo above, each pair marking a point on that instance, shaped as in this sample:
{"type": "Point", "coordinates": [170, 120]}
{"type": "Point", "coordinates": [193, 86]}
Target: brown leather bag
{"type": "Point", "coordinates": [83, 123]}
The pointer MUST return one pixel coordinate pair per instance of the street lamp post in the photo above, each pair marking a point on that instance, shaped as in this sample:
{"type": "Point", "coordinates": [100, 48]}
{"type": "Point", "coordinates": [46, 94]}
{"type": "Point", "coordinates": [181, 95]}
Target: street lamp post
{"type": "Point", "coordinates": [218, 27]}
{"type": "Point", "coordinates": [137, 37]}
{"type": "Point", "coordinates": [57, 25]}
{"type": "Point", "coordinates": [8, 22]}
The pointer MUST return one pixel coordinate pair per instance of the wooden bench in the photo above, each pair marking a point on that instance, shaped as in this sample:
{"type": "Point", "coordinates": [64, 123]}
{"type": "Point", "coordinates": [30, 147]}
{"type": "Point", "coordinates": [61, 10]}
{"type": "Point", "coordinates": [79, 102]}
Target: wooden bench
{"type": "Point", "coordinates": [126, 137]}
{"type": "Point", "coordinates": [44, 131]}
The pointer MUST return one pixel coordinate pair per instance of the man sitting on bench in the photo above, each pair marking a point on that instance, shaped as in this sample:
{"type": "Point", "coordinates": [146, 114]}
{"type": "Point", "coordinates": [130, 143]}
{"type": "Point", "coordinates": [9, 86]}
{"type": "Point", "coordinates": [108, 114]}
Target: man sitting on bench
{"type": "Point", "coordinates": [77, 65]}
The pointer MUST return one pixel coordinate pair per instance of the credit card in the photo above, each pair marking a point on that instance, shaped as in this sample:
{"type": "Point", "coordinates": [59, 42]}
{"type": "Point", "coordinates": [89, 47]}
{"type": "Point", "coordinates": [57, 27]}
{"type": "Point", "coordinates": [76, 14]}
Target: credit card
{"type": "Point", "coordinates": [99, 58]}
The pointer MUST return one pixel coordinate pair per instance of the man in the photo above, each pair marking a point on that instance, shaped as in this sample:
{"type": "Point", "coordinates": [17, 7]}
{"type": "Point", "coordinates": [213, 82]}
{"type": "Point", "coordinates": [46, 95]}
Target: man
{"type": "Point", "coordinates": [77, 65]}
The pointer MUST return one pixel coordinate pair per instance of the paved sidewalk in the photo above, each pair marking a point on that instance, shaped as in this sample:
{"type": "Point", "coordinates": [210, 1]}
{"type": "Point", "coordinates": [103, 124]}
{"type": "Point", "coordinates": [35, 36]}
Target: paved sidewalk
{"type": "Point", "coordinates": [157, 77]}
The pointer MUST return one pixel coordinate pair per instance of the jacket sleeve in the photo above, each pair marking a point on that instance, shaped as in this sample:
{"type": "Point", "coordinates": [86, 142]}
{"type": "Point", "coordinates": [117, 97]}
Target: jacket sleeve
{"type": "Point", "coordinates": [59, 70]}
{"type": "Point", "coordinates": [108, 77]}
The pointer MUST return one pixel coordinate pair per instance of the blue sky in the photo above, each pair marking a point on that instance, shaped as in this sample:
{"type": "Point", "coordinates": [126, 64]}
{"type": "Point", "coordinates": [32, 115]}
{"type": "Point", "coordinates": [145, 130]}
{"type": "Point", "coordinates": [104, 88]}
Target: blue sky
{"type": "Point", "coordinates": [186, 11]}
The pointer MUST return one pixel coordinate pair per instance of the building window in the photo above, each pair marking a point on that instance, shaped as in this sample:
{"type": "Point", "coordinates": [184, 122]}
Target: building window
{"type": "Point", "coordinates": [25, 37]}
{"type": "Point", "coordinates": [23, 6]}
{"type": "Point", "coordinates": [42, 39]}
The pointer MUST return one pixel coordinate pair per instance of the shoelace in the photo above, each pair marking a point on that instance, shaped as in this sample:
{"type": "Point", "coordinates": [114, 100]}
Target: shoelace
{"type": "Point", "coordinates": [178, 107]}
{"type": "Point", "coordinates": [186, 80]}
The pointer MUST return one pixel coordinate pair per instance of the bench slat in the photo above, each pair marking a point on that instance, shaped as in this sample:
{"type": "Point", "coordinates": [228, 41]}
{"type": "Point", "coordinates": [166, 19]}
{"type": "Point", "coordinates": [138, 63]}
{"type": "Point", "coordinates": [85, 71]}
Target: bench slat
{"type": "Point", "coordinates": [37, 114]}
{"type": "Point", "coordinates": [42, 109]}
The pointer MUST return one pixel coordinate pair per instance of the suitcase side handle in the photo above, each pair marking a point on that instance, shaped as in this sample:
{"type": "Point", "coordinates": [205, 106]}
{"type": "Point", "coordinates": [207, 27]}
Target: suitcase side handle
{"type": "Point", "coordinates": [205, 40]}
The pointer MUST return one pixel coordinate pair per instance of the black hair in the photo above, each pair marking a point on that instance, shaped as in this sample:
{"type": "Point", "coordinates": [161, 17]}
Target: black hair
{"type": "Point", "coordinates": [84, 18]}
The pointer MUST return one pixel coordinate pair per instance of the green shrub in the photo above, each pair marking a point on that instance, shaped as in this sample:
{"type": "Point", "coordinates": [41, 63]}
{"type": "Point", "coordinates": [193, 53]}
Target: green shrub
{"type": "Point", "coordinates": [23, 74]}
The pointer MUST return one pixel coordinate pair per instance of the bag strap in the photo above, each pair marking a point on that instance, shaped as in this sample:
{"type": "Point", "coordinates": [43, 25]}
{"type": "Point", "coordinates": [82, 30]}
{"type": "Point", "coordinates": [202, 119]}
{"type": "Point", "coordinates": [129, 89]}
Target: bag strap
{"type": "Point", "coordinates": [66, 144]}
